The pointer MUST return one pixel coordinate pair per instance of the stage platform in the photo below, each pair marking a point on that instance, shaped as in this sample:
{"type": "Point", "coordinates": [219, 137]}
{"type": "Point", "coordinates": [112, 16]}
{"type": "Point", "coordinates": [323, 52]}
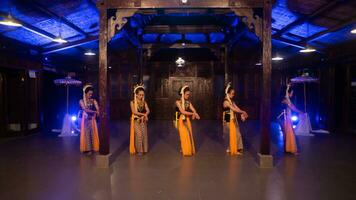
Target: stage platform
{"type": "Point", "coordinates": [47, 167]}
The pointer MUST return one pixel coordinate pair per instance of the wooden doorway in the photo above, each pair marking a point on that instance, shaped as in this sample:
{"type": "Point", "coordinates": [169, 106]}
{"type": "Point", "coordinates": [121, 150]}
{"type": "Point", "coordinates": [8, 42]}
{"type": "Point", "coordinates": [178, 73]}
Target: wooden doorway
{"type": "Point", "coordinates": [166, 81]}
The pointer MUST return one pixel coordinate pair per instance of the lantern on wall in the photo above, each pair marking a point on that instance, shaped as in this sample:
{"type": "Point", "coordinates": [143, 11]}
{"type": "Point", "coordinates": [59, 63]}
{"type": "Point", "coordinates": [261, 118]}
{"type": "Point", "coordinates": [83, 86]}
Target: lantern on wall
{"type": "Point", "coordinates": [180, 62]}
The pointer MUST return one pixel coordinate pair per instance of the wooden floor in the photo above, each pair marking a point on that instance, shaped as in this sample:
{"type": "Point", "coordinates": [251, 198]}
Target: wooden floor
{"type": "Point", "coordinates": [45, 167]}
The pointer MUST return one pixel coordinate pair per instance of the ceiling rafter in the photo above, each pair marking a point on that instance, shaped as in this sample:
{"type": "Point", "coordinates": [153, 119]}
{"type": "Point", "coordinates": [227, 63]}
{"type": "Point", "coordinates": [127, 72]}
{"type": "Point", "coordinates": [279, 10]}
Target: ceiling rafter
{"type": "Point", "coordinates": [181, 29]}
{"type": "Point", "coordinates": [70, 45]}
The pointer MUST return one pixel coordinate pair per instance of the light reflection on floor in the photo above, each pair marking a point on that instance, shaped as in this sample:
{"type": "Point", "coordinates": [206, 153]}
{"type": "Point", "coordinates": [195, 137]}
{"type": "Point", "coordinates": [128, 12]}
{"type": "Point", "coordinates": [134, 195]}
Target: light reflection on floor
{"type": "Point", "coordinates": [48, 167]}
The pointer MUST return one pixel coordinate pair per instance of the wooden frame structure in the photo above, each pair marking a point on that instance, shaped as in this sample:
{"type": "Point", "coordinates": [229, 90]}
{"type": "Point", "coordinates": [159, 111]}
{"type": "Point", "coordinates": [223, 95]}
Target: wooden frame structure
{"type": "Point", "coordinates": [124, 9]}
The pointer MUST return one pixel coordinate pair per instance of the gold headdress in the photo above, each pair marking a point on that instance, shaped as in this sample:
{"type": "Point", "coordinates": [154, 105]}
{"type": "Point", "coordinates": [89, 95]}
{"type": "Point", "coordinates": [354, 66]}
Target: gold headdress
{"type": "Point", "coordinates": [228, 98]}
{"type": "Point", "coordinates": [84, 88]}
{"type": "Point", "coordinates": [227, 91]}
{"type": "Point", "coordinates": [136, 87]}
{"type": "Point", "coordinates": [181, 92]}
{"type": "Point", "coordinates": [287, 93]}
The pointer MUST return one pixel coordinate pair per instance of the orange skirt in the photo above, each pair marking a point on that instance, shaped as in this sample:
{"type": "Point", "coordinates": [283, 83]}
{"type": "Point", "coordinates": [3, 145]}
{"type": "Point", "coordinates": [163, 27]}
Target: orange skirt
{"type": "Point", "coordinates": [85, 144]}
{"type": "Point", "coordinates": [289, 137]}
{"type": "Point", "coordinates": [186, 136]}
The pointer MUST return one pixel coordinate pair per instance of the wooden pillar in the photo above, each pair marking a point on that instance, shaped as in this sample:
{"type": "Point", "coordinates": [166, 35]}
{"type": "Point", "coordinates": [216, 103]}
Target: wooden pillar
{"type": "Point", "coordinates": [266, 159]}
{"type": "Point", "coordinates": [104, 129]}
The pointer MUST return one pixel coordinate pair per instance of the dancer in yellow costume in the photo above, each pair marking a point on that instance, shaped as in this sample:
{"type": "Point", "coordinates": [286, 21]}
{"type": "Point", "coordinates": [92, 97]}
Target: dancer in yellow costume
{"type": "Point", "coordinates": [139, 118]}
{"type": "Point", "coordinates": [185, 110]}
{"type": "Point", "coordinates": [89, 139]}
{"type": "Point", "coordinates": [231, 130]}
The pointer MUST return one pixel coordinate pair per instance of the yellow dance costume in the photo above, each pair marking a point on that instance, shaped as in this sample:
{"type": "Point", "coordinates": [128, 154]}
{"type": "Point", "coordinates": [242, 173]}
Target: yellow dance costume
{"type": "Point", "coordinates": [231, 127]}
{"type": "Point", "coordinates": [185, 128]}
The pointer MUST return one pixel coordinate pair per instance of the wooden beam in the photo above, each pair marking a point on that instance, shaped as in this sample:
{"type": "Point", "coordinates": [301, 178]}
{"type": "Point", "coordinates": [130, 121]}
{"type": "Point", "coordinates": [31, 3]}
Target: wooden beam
{"type": "Point", "coordinates": [179, 46]}
{"type": "Point", "coordinates": [289, 42]}
{"type": "Point", "coordinates": [157, 4]}
{"type": "Point", "coordinates": [104, 130]}
{"type": "Point", "coordinates": [266, 79]}
{"type": "Point", "coordinates": [70, 45]}
{"type": "Point", "coordinates": [301, 20]}
{"type": "Point", "coordinates": [216, 11]}
{"type": "Point", "coordinates": [182, 29]}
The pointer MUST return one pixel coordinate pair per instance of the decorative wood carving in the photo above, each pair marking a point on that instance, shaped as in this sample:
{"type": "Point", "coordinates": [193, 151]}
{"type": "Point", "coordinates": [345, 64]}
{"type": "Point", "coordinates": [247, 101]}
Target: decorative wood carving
{"type": "Point", "coordinates": [253, 21]}
{"type": "Point", "coordinates": [117, 22]}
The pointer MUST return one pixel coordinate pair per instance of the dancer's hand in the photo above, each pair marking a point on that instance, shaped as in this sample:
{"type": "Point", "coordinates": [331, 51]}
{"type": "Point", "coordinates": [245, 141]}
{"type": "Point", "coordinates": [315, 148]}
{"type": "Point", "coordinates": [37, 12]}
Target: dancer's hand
{"type": "Point", "coordinates": [197, 116]}
{"type": "Point", "coordinates": [244, 116]}
{"type": "Point", "coordinates": [144, 118]}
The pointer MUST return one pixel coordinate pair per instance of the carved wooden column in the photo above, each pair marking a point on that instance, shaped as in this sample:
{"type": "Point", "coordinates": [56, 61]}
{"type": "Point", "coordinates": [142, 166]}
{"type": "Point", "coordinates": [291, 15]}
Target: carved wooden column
{"type": "Point", "coordinates": [265, 159]}
{"type": "Point", "coordinates": [104, 130]}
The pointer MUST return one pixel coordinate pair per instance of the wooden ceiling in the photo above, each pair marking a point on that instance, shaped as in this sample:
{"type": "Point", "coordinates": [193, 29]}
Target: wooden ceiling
{"type": "Point", "coordinates": [321, 23]}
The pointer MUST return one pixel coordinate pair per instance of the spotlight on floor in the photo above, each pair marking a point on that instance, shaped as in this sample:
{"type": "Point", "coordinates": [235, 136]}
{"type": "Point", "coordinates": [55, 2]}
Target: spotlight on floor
{"type": "Point", "coordinates": [294, 118]}
{"type": "Point", "coordinates": [74, 118]}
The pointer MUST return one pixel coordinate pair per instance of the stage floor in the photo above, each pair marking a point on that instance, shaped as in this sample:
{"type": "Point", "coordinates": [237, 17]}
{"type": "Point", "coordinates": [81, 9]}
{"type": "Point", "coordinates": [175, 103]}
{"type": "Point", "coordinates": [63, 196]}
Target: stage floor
{"type": "Point", "coordinates": [45, 167]}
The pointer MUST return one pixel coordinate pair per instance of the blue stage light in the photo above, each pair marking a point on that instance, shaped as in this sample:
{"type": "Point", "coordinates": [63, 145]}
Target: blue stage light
{"type": "Point", "coordinates": [294, 118]}
{"type": "Point", "coordinates": [74, 118]}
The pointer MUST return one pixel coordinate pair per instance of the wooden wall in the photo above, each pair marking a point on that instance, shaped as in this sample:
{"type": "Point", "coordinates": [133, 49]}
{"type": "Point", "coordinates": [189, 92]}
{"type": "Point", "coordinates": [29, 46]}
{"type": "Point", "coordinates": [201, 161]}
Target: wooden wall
{"type": "Point", "coordinates": [206, 79]}
{"type": "Point", "coordinates": [20, 106]}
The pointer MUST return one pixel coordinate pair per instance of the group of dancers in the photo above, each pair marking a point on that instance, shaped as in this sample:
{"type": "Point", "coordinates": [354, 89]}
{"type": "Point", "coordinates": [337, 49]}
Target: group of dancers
{"type": "Point", "coordinates": [184, 113]}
